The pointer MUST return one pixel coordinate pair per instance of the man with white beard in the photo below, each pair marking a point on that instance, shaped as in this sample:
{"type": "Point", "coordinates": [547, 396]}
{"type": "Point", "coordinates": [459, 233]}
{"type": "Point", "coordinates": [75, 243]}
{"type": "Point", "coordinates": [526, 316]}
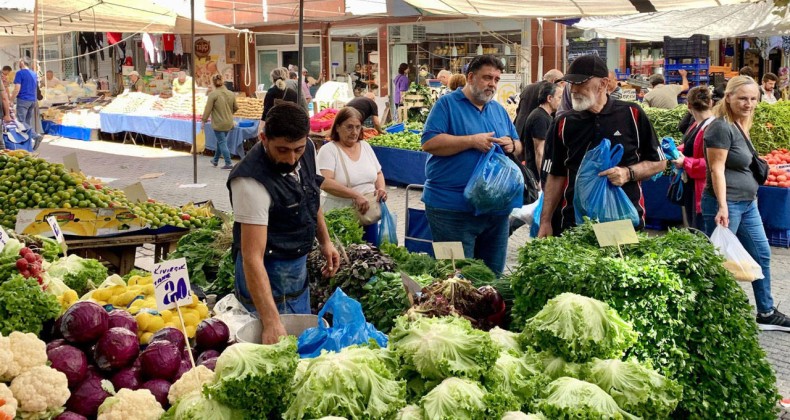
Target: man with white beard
{"type": "Point", "coordinates": [595, 117]}
{"type": "Point", "coordinates": [463, 125]}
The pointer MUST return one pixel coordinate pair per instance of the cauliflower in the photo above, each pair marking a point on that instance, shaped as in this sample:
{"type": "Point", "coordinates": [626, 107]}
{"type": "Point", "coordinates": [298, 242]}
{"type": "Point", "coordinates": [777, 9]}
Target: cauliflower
{"type": "Point", "coordinates": [7, 402]}
{"type": "Point", "coordinates": [192, 380]}
{"type": "Point", "coordinates": [20, 352]}
{"type": "Point", "coordinates": [127, 404]}
{"type": "Point", "coordinates": [41, 390]}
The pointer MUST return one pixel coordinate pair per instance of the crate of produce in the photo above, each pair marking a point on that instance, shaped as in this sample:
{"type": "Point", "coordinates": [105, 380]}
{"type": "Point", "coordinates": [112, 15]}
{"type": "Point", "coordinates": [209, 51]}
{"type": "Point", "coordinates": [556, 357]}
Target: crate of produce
{"type": "Point", "coordinates": [693, 46]}
{"type": "Point", "coordinates": [778, 237]}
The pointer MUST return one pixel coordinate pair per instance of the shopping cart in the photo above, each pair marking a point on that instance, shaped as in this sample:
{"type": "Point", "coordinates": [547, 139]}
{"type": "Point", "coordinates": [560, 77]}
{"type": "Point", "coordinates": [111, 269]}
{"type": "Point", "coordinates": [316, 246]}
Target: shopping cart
{"type": "Point", "coordinates": [418, 233]}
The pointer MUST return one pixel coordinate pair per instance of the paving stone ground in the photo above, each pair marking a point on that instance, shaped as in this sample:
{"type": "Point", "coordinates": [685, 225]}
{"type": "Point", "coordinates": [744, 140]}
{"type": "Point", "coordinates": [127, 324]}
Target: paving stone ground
{"type": "Point", "coordinates": [127, 163]}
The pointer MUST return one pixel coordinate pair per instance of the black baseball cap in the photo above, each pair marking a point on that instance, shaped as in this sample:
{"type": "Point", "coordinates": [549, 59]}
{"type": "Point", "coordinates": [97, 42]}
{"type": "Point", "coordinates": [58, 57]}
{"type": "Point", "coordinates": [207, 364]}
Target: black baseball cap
{"type": "Point", "coordinates": [585, 68]}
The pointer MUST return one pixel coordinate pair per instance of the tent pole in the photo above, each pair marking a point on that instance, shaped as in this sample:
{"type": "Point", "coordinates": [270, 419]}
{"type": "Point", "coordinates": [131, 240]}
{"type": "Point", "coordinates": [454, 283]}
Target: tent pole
{"type": "Point", "coordinates": [194, 106]}
{"type": "Point", "coordinates": [34, 61]}
{"type": "Point", "coordinates": [300, 60]}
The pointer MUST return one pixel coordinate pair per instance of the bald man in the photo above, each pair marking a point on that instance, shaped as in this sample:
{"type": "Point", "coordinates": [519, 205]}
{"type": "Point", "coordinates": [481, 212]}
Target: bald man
{"type": "Point", "coordinates": [614, 90]}
{"type": "Point", "coordinates": [529, 100]}
{"type": "Point", "coordinates": [366, 105]}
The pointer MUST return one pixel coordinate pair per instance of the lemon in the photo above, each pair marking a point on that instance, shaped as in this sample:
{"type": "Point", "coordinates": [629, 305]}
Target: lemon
{"type": "Point", "coordinates": [144, 320]}
{"type": "Point", "coordinates": [191, 331]}
{"type": "Point", "coordinates": [133, 280]}
{"type": "Point", "coordinates": [191, 319]}
{"type": "Point", "coordinates": [117, 290]}
{"type": "Point", "coordinates": [202, 311]}
{"type": "Point", "coordinates": [145, 338]}
{"type": "Point", "coordinates": [102, 294]}
{"type": "Point", "coordinates": [167, 315]}
{"type": "Point", "coordinates": [156, 324]}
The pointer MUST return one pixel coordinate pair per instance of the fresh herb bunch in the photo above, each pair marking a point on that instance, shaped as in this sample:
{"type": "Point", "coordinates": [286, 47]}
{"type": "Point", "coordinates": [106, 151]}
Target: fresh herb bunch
{"type": "Point", "coordinates": [202, 258]}
{"type": "Point", "coordinates": [665, 121]}
{"type": "Point", "coordinates": [385, 299]}
{"type": "Point", "coordinates": [694, 321]}
{"type": "Point", "coordinates": [343, 226]}
{"type": "Point", "coordinates": [412, 263]}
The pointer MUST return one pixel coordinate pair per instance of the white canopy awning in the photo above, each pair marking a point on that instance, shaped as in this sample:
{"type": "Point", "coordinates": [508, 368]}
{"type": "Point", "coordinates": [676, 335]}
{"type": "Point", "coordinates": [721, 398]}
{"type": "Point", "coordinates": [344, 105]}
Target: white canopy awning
{"type": "Point", "coordinates": [752, 19]}
{"type": "Point", "coordinates": [60, 16]}
{"type": "Point", "coordinates": [559, 8]}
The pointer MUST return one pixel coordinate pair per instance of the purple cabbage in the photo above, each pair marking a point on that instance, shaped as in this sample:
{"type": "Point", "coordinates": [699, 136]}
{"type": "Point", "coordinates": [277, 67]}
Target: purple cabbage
{"type": "Point", "coordinates": [84, 322]}
{"type": "Point", "coordinates": [86, 398]}
{"type": "Point", "coordinates": [160, 388]}
{"type": "Point", "coordinates": [171, 335]}
{"type": "Point", "coordinates": [122, 319]}
{"type": "Point", "coordinates": [71, 361]}
{"type": "Point", "coordinates": [212, 334]}
{"type": "Point", "coordinates": [117, 348]}
{"type": "Point", "coordinates": [130, 377]}
{"type": "Point", "coordinates": [160, 360]}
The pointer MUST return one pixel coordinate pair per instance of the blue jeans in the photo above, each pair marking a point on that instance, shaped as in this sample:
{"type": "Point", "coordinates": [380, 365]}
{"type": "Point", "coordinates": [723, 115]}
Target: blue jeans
{"type": "Point", "coordinates": [288, 280]}
{"type": "Point", "coordinates": [222, 147]}
{"type": "Point", "coordinates": [483, 237]}
{"type": "Point", "coordinates": [26, 113]}
{"type": "Point", "coordinates": [746, 223]}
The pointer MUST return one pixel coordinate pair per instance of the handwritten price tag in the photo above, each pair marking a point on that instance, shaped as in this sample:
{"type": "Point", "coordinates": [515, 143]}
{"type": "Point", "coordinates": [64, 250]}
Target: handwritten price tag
{"type": "Point", "coordinates": [171, 284]}
{"type": "Point", "coordinates": [3, 238]}
{"type": "Point", "coordinates": [53, 224]}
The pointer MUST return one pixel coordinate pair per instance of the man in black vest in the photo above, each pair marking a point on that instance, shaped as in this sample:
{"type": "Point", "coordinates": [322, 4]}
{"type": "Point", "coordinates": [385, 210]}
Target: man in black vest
{"type": "Point", "coordinates": [275, 194]}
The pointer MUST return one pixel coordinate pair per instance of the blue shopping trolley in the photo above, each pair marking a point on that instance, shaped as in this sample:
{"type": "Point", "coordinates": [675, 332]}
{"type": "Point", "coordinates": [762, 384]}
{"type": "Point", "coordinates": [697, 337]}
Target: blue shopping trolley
{"type": "Point", "coordinates": [418, 232]}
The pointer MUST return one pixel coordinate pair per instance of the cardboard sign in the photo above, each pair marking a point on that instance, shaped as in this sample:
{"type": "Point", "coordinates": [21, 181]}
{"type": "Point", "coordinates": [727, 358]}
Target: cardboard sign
{"type": "Point", "coordinates": [615, 233]}
{"type": "Point", "coordinates": [53, 224]}
{"type": "Point", "coordinates": [71, 163]}
{"type": "Point", "coordinates": [448, 250]}
{"type": "Point", "coordinates": [171, 284]}
{"type": "Point", "coordinates": [79, 222]}
{"type": "Point", "coordinates": [136, 193]}
{"type": "Point", "coordinates": [3, 238]}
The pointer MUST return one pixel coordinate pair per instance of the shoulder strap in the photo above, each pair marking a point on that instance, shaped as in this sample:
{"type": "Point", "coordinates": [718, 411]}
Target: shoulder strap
{"type": "Point", "coordinates": [747, 139]}
{"type": "Point", "coordinates": [343, 164]}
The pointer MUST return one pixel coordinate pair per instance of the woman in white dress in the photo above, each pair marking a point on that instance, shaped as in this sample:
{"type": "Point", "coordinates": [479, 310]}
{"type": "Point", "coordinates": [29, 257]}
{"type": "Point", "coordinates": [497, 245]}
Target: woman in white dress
{"type": "Point", "coordinates": [350, 161]}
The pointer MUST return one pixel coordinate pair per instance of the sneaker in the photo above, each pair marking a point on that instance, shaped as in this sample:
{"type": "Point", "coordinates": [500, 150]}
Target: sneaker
{"type": "Point", "coordinates": [777, 321]}
{"type": "Point", "coordinates": [37, 142]}
{"type": "Point", "coordinates": [228, 167]}
{"type": "Point", "coordinates": [214, 163]}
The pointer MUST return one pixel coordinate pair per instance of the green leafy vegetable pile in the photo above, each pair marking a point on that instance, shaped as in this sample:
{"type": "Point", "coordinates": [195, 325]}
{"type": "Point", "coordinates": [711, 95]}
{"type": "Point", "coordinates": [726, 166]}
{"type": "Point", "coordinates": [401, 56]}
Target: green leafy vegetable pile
{"type": "Point", "coordinates": [355, 383]}
{"type": "Point", "coordinates": [358, 264]}
{"type": "Point", "coordinates": [694, 322]}
{"type": "Point", "coordinates": [665, 121]}
{"type": "Point", "coordinates": [80, 274]}
{"type": "Point", "coordinates": [385, 299]}
{"type": "Point", "coordinates": [403, 140]}
{"type": "Point", "coordinates": [344, 226]}
{"type": "Point", "coordinates": [255, 377]}
{"type": "Point", "coordinates": [202, 257]}
{"type": "Point", "coordinates": [24, 307]}
{"type": "Point", "coordinates": [412, 263]}
{"type": "Point", "coordinates": [771, 127]}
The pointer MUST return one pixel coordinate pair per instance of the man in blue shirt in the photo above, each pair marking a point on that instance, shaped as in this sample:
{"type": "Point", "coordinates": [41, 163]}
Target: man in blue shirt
{"type": "Point", "coordinates": [25, 92]}
{"type": "Point", "coordinates": [462, 126]}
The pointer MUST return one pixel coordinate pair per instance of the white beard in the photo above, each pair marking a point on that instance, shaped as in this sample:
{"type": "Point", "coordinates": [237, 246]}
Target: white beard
{"type": "Point", "coordinates": [582, 103]}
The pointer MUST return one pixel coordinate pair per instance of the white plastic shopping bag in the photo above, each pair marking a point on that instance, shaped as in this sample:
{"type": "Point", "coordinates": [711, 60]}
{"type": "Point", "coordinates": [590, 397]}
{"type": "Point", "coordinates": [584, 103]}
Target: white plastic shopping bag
{"type": "Point", "coordinates": [526, 213]}
{"type": "Point", "coordinates": [738, 261]}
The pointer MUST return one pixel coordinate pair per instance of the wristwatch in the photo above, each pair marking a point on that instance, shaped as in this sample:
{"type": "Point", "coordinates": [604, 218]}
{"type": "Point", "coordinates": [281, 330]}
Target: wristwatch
{"type": "Point", "coordinates": [631, 175]}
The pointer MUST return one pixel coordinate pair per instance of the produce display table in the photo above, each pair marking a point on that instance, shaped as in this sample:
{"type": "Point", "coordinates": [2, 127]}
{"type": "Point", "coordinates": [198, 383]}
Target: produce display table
{"type": "Point", "coordinates": [120, 251]}
{"type": "Point", "coordinates": [401, 167]}
{"type": "Point", "coordinates": [235, 137]}
{"type": "Point", "coordinates": [154, 126]}
{"type": "Point", "coordinates": [76, 133]}
{"type": "Point", "coordinates": [774, 205]}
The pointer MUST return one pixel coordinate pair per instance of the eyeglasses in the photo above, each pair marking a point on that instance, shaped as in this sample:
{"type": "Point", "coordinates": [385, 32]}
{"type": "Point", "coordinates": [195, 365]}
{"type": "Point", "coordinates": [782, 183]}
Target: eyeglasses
{"type": "Point", "coordinates": [349, 127]}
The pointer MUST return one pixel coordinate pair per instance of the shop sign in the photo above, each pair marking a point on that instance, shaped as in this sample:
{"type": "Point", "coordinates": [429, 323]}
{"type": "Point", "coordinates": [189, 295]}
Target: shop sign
{"type": "Point", "coordinates": [202, 48]}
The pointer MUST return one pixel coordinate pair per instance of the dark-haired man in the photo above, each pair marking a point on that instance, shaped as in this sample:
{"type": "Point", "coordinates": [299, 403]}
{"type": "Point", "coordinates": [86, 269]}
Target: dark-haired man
{"type": "Point", "coordinates": [463, 125]}
{"type": "Point", "coordinates": [595, 117]}
{"type": "Point", "coordinates": [537, 125]}
{"type": "Point", "coordinates": [275, 194]}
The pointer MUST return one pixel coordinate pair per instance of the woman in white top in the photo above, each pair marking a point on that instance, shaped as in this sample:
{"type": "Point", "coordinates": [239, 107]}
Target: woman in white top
{"type": "Point", "coordinates": [351, 162]}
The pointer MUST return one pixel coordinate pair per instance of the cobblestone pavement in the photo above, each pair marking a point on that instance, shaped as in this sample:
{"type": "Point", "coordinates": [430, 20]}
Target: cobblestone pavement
{"type": "Point", "coordinates": [127, 163]}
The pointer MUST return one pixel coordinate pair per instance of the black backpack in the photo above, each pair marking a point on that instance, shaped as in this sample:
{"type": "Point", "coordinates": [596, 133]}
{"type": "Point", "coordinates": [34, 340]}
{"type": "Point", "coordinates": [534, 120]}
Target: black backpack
{"type": "Point", "coordinates": [531, 185]}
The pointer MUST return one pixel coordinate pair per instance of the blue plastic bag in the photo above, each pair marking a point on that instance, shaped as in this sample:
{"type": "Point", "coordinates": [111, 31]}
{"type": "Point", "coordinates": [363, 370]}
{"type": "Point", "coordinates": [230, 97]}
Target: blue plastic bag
{"type": "Point", "coordinates": [596, 197]}
{"type": "Point", "coordinates": [496, 184]}
{"type": "Point", "coordinates": [16, 137]}
{"type": "Point", "coordinates": [535, 228]}
{"type": "Point", "coordinates": [387, 226]}
{"type": "Point", "coordinates": [348, 328]}
{"type": "Point", "coordinates": [671, 152]}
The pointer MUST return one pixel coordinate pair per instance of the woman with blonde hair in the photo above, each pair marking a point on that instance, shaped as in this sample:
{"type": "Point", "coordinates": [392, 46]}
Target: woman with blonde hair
{"type": "Point", "coordinates": [730, 196]}
{"type": "Point", "coordinates": [279, 92]}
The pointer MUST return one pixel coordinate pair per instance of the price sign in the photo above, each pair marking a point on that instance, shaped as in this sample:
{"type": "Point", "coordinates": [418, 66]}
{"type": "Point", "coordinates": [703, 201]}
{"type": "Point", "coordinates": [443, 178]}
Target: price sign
{"type": "Point", "coordinates": [3, 238]}
{"type": "Point", "coordinates": [53, 224]}
{"type": "Point", "coordinates": [171, 284]}
{"type": "Point", "coordinates": [448, 250]}
{"type": "Point", "coordinates": [616, 233]}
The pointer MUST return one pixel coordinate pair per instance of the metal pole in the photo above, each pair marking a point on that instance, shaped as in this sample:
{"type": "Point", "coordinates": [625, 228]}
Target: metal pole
{"type": "Point", "coordinates": [300, 60]}
{"type": "Point", "coordinates": [33, 65]}
{"type": "Point", "coordinates": [194, 106]}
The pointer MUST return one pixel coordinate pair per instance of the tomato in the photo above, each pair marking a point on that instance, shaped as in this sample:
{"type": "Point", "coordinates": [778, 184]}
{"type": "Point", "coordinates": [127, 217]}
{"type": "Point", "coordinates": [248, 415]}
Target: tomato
{"type": "Point", "coordinates": [785, 184]}
{"type": "Point", "coordinates": [772, 184]}
{"type": "Point", "coordinates": [781, 178]}
{"type": "Point", "coordinates": [771, 178]}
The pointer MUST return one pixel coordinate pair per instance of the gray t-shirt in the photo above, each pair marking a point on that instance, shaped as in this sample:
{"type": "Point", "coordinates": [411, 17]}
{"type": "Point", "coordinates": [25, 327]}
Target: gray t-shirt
{"type": "Point", "coordinates": [741, 185]}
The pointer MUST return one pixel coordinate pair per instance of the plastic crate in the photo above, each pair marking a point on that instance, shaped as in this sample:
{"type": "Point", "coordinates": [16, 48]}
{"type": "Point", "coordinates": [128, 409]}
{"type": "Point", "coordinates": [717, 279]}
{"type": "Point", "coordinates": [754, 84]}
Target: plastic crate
{"type": "Point", "coordinates": [693, 46]}
{"type": "Point", "coordinates": [397, 128]}
{"type": "Point", "coordinates": [778, 237]}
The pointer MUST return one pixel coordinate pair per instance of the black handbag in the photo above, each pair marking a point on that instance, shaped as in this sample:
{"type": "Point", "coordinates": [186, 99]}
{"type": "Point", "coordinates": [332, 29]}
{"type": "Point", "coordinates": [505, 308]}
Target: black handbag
{"type": "Point", "coordinates": [531, 185]}
{"type": "Point", "coordinates": [759, 167]}
{"type": "Point", "coordinates": [675, 193]}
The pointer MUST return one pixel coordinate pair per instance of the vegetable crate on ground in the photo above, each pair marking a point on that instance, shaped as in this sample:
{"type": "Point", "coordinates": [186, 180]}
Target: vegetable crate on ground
{"type": "Point", "coordinates": [418, 236]}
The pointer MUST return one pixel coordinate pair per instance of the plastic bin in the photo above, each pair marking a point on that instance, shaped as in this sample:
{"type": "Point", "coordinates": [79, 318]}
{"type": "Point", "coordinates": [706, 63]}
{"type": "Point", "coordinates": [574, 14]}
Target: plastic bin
{"type": "Point", "coordinates": [397, 128]}
{"type": "Point", "coordinates": [778, 237]}
{"type": "Point", "coordinates": [694, 46]}
{"type": "Point", "coordinates": [295, 324]}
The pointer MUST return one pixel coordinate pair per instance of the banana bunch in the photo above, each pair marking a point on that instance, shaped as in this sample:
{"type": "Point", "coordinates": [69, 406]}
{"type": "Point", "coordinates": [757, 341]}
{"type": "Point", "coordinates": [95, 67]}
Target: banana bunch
{"type": "Point", "coordinates": [138, 298]}
{"type": "Point", "coordinates": [200, 211]}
